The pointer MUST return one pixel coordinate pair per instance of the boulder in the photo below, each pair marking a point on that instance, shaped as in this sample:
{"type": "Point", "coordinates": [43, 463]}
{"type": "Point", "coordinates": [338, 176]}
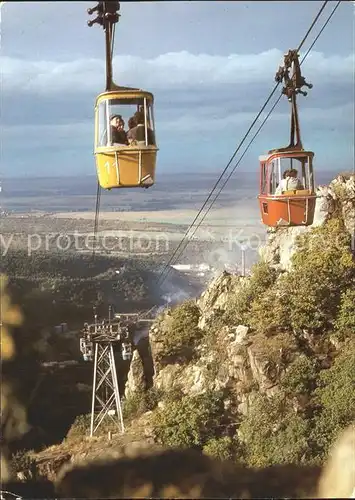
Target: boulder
{"type": "Point", "coordinates": [215, 298]}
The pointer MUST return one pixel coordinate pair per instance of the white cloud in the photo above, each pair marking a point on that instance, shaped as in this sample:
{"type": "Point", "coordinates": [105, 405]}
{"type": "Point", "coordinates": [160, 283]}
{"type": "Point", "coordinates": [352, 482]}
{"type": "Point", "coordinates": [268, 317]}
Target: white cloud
{"type": "Point", "coordinates": [54, 135]}
{"type": "Point", "coordinates": [186, 124]}
{"type": "Point", "coordinates": [341, 116]}
{"type": "Point", "coordinates": [173, 70]}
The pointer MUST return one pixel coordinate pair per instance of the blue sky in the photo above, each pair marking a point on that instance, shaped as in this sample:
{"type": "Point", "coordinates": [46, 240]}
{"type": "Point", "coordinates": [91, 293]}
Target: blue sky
{"type": "Point", "coordinates": [210, 65]}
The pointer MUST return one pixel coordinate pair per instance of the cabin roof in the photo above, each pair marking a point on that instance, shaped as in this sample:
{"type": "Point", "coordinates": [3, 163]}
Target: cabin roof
{"type": "Point", "coordinates": [286, 154]}
{"type": "Point", "coordinates": [116, 89]}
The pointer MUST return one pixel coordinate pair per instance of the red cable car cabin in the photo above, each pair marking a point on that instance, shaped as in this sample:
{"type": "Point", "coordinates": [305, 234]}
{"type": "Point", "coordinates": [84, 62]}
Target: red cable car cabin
{"type": "Point", "coordinates": [290, 207]}
{"type": "Point", "coordinates": [287, 196]}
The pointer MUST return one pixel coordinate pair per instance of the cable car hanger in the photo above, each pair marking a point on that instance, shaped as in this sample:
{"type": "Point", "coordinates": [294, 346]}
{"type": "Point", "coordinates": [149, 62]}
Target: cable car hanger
{"type": "Point", "coordinates": [107, 17]}
{"type": "Point", "coordinates": [292, 87]}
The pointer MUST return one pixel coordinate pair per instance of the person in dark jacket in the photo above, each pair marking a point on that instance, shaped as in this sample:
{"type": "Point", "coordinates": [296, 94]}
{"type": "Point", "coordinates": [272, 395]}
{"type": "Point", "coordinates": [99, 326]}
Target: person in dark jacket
{"type": "Point", "coordinates": [118, 134]}
{"type": "Point", "coordinates": [140, 135]}
{"type": "Point", "coordinates": [131, 134]}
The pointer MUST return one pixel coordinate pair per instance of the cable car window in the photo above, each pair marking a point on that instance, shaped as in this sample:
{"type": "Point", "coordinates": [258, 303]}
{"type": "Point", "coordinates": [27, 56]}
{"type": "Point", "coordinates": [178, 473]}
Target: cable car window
{"type": "Point", "coordinates": [307, 173]}
{"type": "Point", "coordinates": [129, 122]}
{"type": "Point", "coordinates": [264, 178]}
{"type": "Point", "coordinates": [143, 132]}
{"type": "Point", "coordinates": [295, 173]}
{"type": "Point", "coordinates": [304, 173]}
{"type": "Point", "coordinates": [151, 115]}
{"type": "Point", "coordinates": [101, 138]}
{"type": "Point", "coordinates": [273, 176]}
{"type": "Point", "coordinates": [301, 166]}
{"type": "Point", "coordinates": [287, 163]}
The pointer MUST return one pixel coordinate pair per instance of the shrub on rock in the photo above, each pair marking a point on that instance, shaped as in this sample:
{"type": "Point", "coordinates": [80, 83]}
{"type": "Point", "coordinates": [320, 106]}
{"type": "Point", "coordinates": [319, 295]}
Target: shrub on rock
{"type": "Point", "coordinates": [179, 340]}
{"type": "Point", "coordinates": [189, 422]}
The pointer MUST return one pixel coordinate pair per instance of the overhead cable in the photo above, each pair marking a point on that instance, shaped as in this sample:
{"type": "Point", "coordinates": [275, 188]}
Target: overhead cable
{"type": "Point", "coordinates": [163, 275]}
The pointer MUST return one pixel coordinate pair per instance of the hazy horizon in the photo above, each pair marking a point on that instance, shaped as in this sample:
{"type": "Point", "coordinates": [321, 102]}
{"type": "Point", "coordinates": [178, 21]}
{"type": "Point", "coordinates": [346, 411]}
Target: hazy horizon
{"type": "Point", "coordinates": [171, 191]}
{"type": "Point", "coordinates": [159, 174]}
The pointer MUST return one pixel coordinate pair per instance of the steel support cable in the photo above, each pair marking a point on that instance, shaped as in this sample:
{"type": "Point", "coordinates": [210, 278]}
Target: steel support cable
{"type": "Point", "coordinates": [167, 268]}
{"type": "Point", "coordinates": [258, 130]}
{"type": "Point", "coordinates": [97, 212]}
{"type": "Point", "coordinates": [240, 145]}
{"type": "Point", "coordinates": [321, 31]}
{"type": "Point", "coordinates": [219, 179]}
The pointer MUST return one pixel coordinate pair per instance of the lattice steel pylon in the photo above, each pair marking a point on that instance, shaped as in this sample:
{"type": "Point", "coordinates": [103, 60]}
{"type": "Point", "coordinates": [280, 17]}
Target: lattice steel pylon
{"type": "Point", "coordinates": [105, 391]}
{"type": "Point", "coordinates": [97, 344]}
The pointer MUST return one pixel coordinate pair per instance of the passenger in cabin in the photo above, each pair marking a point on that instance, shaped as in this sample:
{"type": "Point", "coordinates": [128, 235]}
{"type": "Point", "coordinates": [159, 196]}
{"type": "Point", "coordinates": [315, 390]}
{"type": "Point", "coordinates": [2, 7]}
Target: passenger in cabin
{"type": "Point", "coordinates": [122, 131]}
{"type": "Point", "coordinates": [284, 175]}
{"type": "Point", "coordinates": [131, 134]}
{"type": "Point", "coordinates": [294, 179]}
{"type": "Point", "coordinates": [118, 134]}
{"type": "Point", "coordinates": [290, 182]}
{"type": "Point", "coordinates": [139, 130]}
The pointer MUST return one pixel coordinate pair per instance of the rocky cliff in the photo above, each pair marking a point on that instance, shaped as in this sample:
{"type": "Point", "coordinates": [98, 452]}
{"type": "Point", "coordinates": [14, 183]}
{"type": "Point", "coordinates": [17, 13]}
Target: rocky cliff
{"type": "Point", "coordinates": [257, 371]}
{"type": "Point", "coordinates": [273, 346]}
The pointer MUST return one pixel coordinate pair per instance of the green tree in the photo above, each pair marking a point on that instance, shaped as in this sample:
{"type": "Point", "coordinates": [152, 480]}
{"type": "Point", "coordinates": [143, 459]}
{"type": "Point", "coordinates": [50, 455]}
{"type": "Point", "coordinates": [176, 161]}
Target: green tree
{"type": "Point", "coordinates": [336, 397]}
{"type": "Point", "coordinates": [189, 422]}
{"type": "Point", "coordinates": [272, 433]}
{"type": "Point", "coordinates": [323, 269]}
{"type": "Point", "coordinates": [308, 297]}
{"type": "Point", "coordinates": [224, 448]}
{"type": "Point", "coordinates": [179, 341]}
{"type": "Point", "coordinates": [262, 278]}
{"type": "Point", "coordinates": [301, 376]}
{"type": "Point", "coordinates": [345, 321]}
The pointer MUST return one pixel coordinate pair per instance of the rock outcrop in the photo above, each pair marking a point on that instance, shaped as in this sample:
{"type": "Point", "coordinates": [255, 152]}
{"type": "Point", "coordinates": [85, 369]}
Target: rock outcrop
{"type": "Point", "coordinates": [246, 356]}
{"type": "Point", "coordinates": [237, 358]}
{"type": "Point", "coordinates": [215, 298]}
{"type": "Point", "coordinates": [234, 357]}
{"type": "Point", "coordinates": [141, 371]}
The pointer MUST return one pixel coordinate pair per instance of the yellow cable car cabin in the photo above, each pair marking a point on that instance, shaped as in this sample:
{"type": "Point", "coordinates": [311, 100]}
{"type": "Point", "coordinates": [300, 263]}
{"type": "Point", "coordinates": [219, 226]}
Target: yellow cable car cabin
{"type": "Point", "coordinates": [287, 196]}
{"type": "Point", "coordinates": [125, 144]}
